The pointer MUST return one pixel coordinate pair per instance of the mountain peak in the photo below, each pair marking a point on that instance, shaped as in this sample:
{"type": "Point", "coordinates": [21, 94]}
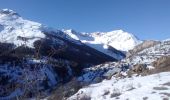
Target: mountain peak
{"type": "Point", "coordinates": [118, 39]}
{"type": "Point", "coordinates": [70, 31]}
{"type": "Point", "coordinates": [12, 26]}
{"type": "Point", "coordinates": [8, 12]}
{"type": "Point", "coordinates": [119, 31]}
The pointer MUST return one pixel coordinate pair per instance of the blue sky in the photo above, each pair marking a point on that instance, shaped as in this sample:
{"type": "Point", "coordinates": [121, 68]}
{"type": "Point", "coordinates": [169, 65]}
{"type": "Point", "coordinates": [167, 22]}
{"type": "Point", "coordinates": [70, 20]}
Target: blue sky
{"type": "Point", "coordinates": [147, 19]}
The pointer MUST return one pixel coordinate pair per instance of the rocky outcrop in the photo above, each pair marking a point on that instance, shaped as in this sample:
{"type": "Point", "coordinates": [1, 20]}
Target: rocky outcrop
{"type": "Point", "coordinates": [139, 68]}
{"type": "Point", "coordinates": [161, 65]}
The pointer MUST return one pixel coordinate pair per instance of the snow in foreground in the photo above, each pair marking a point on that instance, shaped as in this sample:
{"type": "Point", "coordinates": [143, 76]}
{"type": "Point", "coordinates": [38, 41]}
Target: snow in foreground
{"type": "Point", "coordinates": [152, 87]}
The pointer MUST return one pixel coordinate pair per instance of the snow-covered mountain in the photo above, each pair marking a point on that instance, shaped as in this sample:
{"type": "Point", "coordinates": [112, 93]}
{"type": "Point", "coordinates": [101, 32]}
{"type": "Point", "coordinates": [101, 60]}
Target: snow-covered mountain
{"type": "Point", "coordinates": [15, 29]}
{"type": "Point", "coordinates": [13, 26]}
{"type": "Point", "coordinates": [124, 80]}
{"type": "Point", "coordinates": [36, 60]}
{"type": "Point", "coordinates": [118, 39]}
{"type": "Point", "coordinates": [34, 57]}
{"type": "Point", "coordinates": [145, 57]}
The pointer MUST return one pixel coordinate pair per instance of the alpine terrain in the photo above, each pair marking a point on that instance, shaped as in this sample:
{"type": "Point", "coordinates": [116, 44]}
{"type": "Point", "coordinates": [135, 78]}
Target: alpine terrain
{"type": "Point", "coordinates": [40, 62]}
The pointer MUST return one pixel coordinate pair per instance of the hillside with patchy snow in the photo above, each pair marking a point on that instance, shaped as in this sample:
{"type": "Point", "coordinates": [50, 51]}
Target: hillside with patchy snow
{"type": "Point", "coordinates": [137, 63]}
{"type": "Point", "coordinates": [152, 87]}
{"type": "Point", "coordinates": [123, 81]}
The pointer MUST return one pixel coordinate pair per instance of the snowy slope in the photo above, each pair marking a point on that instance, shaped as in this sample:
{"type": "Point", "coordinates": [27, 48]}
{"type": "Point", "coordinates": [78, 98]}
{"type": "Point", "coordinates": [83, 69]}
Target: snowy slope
{"type": "Point", "coordinates": [12, 26]}
{"type": "Point", "coordinates": [148, 55]}
{"type": "Point", "coordinates": [15, 29]}
{"type": "Point", "coordinates": [152, 87]}
{"type": "Point", "coordinates": [106, 42]}
{"type": "Point", "coordinates": [118, 39]}
{"type": "Point", "coordinates": [95, 42]}
{"type": "Point", "coordinates": [145, 57]}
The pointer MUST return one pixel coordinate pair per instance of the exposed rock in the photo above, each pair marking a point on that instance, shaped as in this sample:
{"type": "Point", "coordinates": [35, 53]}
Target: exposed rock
{"type": "Point", "coordinates": [162, 62]}
{"type": "Point", "coordinates": [98, 79]}
{"type": "Point", "coordinates": [111, 72]}
{"type": "Point", "coordinates": [139, 68]}
{"type": "Point", "coordinates": [161, 65]}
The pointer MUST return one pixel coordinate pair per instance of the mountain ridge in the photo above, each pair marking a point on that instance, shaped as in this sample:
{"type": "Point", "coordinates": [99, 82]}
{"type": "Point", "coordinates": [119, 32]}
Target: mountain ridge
{"type": "Point", "coordinates": [113, 38]}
